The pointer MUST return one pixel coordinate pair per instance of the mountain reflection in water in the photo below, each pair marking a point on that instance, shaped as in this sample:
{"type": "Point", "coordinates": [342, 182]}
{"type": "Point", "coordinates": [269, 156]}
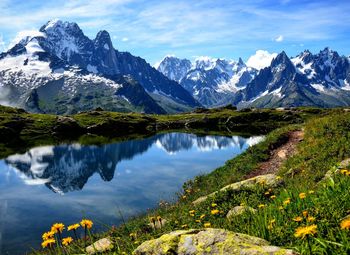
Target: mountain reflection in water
{"type": "Point", "coordinates": [67, 182]}
{"type": "Point", "coordinates": [65, 168]}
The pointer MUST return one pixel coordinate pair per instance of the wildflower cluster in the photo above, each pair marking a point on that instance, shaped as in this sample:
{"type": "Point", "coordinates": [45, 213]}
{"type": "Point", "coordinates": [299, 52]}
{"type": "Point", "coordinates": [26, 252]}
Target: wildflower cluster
{"type": "Point", "coordinates": [54, 236]}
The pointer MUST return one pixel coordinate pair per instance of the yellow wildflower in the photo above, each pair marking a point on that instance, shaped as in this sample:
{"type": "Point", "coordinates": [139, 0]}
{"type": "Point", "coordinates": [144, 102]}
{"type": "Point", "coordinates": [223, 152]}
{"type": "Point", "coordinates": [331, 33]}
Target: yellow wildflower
{"type": "Point", "coordinates": [215, 211]}
{"type": "Point", "coordinates": [311, 219]}
{"type": "Point", "coordinates": [302, 195]}
{"type": "Point", "coordinates": [198, 221]}
{"type": "Point", "coordinates": [48, 235]}
{"type": "Point", "coordinates": [207, 225]}
{"type": "Point", "coordinates": [273, 197]}
{"type": "Point", "coordinates": [305, 213]}
{"type": "Point", "coordinates": [48, 242]}
{"type": "Point", "coordinates": [202, 216]}
{"type": "Point", "coordinates": [86, 223]}
{"type": "Point", "coordinates": [73, 227]}
{"type": "Point", "coordinates": [188, 191]}
{"type": "Point", "coordinates": [298, 219]}
{"type": "Point", "coordinates": [302, 232]}
{"type": "Point", "coordinates": [184, 226]}
{"type": "Point", "coordinates": [311, 192]}
{"type": "Point", "coordinates": [66, 241]}
{"type": "Point", "coordinates": [287, 201]}
{"type": "Point", "coordinates": [57, 227]}
{"type": "Point", "coordinates": [280, 208]}
{"type": "Point", "coordinates": [267, 193]}
{"type": "Point", "coordinates": [183, 197]}
{"type": "Point", "coordinates": [261, 206]}
{"type": "Point", "coordinates": [344, 171]}
{"type": "Point", "coordinates": [192, 212]}
{"type": "Point", "coordinates": [345, 224]}
{"type": "Point", "coordinates": [213, 205]}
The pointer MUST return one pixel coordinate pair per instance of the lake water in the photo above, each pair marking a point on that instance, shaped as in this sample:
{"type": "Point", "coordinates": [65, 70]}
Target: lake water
{"type": "Point", "coordinates": [66, 182]}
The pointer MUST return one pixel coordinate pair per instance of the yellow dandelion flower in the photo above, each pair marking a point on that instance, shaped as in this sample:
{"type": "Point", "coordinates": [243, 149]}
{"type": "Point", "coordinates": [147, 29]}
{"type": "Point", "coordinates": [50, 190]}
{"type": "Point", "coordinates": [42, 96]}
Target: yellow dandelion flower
{"type": "Point", "coordinates": [207, 225]}
{"type": "Point", "coordinates": [287, 201]}
{"type": "Point", "coordinates": [305, 213]}
{"type": "Point", "coordinates": [302, 232]}
{"type": "Point", "coordinates": [302, 195]}
{"type": "Point", "coordinates": [86, 223]}
{"type": "Point", "coordinates": [48, 235]}
{"type": "Point", "coordinates": [278, 178]}
{"type": "Point", "coordinates": [344, 171]}
{"type": "Point", "coordinates": [48, 243]}
{"type": "Point", "coordinates": [183, 197]}
{"type": "Point", "coordinates": [214, 205]}
{"type": "Point", "coordinates": [202, 216]}
{"type": "Point", "coordinates": [345, 224]}
{"type": "Point", "coordinates": [311, 219]}
{"type": "Point", "coordinates": [215, 211]}
{"type": "Point", "coordinates": [184, 226]}
{"type": "Point", "coordinates": [267, 193]}
{"type": "Point", "coordinates": [67, 241]}
{"type": "Point", "coordinates": [57, 227]}
{"type": "Point", "coordinates": [298, 219]}
{"type": "Point", "coordinates": [273, 197]}
{"type": "Point", "coordinates": [261, 206]}
{"type": "Point", "coordinates": [311, 192]}
{"type": "Point", "coordinates": [192, 212]}
{"type": "Point", "coordinates": [188, 191]}
{"type": "Point", "coordinates": [198, 221]}
{"type": "Point", "coordinates": [73, 227]}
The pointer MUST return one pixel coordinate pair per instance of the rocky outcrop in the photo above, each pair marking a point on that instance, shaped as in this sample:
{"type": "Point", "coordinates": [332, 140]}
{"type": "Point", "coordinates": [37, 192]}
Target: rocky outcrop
{"type": "Point", "coordinates": [209, 241]}
{"type": "Point", "coordinates": [239, 210]}
{"type": "Point", "coordinates": [268, 180]}
{"type": "Point", "coordinates": [101, 245]}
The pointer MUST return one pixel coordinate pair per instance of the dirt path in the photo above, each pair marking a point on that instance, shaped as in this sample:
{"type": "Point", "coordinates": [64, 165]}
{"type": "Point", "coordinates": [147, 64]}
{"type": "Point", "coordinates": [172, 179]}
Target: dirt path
{"type": "Point", "coordinates": [279, 155]}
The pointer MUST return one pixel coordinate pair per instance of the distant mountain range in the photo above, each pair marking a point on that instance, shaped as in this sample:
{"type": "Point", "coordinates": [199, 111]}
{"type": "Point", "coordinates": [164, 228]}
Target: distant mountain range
{"type": "Point", "coordinates": [321, 80]}
{"type": "Point", "coordinates": [59, 70]}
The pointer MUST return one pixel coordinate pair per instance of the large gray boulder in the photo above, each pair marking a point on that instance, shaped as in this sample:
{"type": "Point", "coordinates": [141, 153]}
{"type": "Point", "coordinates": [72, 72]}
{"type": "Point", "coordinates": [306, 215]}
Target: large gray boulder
{"type": "Point", "coordinates": [209, 241]}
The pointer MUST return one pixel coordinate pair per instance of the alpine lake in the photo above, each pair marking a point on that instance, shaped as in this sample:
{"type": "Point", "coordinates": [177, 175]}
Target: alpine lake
{"type": "Point", "coordinates": [107, 183]}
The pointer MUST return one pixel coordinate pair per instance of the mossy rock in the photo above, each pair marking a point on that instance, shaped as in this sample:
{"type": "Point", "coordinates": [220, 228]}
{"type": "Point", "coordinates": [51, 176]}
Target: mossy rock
{"type": "Point", "coordinates": [209, 241]}
{"type": "Point", "coordinates": [239, 210]}
{"type": "Point", "coordinates": [268, 181]}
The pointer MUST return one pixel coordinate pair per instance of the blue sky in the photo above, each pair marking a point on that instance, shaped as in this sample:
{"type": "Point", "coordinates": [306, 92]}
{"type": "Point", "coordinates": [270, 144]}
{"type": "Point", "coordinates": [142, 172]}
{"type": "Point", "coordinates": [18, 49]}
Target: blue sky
{"type": "Point", "coordinates": [189, 28]}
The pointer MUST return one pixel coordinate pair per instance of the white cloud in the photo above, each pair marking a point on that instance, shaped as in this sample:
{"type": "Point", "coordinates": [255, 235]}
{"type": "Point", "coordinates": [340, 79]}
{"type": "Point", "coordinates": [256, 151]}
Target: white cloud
{"type": "Point", "coordinates": [2, 44]}
{"type": "Point", "coordinates": [279, 38]}
{"type": "Point", "coordinates": [24, 35]}
{"type": "Point", "coordinates": [261, 59]}
{"type": "Point", "coordinates": [125, 39]}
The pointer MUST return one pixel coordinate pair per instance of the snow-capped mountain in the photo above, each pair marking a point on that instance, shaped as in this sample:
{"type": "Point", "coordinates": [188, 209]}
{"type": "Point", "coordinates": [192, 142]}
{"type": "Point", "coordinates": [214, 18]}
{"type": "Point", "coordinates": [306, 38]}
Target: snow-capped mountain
{"type": "Point", "coordinates": [213, 82]}
{"type": "Point", "coordinates": [60, 70]}
{"type": "Point", "coordinates": [307, 80]}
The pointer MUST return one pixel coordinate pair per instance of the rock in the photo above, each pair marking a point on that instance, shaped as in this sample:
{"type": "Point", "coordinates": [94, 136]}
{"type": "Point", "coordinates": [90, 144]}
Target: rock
{"type": "Point", "coordinates": [268, 180]}
{"type": "Point", "coordinates": [157, 224]}
{"type": "Point", "coordinates": [238, 210]}
{"type": "Point", "coordinates": [67, 125]}
{"type": "Point", "coordinates": [282, 154]}
{"type": "Point", "coordinates": [345, 163]}
{"type": "Point", "coordinates": [208, 241]}
{"type": "Point", "coordinates": [101, 245]}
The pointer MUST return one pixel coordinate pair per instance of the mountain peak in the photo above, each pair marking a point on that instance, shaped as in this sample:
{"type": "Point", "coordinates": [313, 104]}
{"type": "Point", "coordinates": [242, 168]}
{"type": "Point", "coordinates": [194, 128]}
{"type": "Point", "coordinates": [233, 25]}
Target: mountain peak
{"type": "Point", "coordinates": [280, 58]}
{"type": "Point", "coordinates": [57, 24]}
{"type": "Point", "coordinates": [103, 39]}
{"type": "Point", "coordinates": [240, 62]}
